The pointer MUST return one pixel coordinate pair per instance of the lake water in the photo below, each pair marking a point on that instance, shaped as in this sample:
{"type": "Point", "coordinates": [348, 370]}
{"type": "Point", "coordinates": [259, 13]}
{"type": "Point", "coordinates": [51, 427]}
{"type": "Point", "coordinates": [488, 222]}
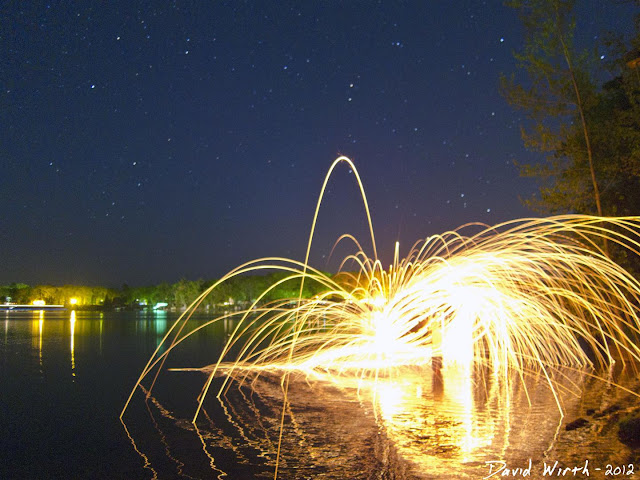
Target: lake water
{"type": "Point", "coordinates": [64, 378]}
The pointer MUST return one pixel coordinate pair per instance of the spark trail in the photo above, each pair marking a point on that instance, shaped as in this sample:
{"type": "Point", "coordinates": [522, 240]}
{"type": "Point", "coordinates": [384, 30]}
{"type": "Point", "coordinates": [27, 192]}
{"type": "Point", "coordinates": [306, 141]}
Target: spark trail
{"type": "Point", "coordinates": [527, 296]}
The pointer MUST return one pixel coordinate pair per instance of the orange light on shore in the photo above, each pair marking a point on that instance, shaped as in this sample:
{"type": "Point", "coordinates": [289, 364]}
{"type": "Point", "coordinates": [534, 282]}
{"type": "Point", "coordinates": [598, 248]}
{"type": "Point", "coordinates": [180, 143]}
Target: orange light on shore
{"type": "Point", "coordinates": [73, 301]}
{"type": "Point", "coordinates": [39, 303]}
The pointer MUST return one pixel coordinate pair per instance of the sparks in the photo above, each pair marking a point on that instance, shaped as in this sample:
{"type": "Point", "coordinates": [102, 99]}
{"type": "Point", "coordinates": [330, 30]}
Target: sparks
{"type": "Point", "coordinates": [526, 296]}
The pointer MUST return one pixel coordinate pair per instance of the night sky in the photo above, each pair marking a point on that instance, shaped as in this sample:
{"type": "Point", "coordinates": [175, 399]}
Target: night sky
{"type": "Point", "coordinates": [143, 142]}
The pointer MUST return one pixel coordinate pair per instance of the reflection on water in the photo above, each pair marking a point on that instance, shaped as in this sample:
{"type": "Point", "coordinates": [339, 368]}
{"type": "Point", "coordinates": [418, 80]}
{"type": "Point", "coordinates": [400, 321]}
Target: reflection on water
{"type": "Point", "coordinates": [457, 422]}
{"type": "Point", "coordinates": [160, 323]}
{"type": "Point", "coordinates": [413, 425]}
{"type": "Point", "coordinates": [72, 322]}
{"type": "Point", "coordinates": [147, 463]}
{"type": "Point", "coordinates": [418, 423]}
{"type": "Point", "coordinates": [37, 325]}
{"type": "Point", "coordinates": [40, 328]}
{"type": "Point", "coordinates": [51, 326]}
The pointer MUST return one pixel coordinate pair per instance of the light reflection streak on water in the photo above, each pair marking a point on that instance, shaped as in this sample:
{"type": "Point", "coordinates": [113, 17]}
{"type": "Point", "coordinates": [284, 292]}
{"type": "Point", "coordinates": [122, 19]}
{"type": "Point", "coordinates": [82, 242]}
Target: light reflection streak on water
{"type": "Point", "coordinates": [165, 439]}
{"type": "Point", "coordinates": [37, 325]}
{"type": "Point", "coordinates": [72, 322]}
{"type": "Point", "coordinates": [268, 446]}
{"type": "Point", "coordinates": [40, 329]}
{"type": "Point", "coordinates": [101, 321]}
{"type": "Point", "coordinates": [447, 428]}
{"type": "Point", "coordinates": [461, 419]}
{"type": "Point", "coordinates": [147, 463]}
{"type": "Point", "coordinates": [179, 465]}
{"type": "Point", "coordinates": [212, 462]}
{"type": "Point", "coordinates": [423, 424]}
{"type": "Point", "coordinates": [161, 323]}
{"type": "Point", "coordinates": [34, 329]}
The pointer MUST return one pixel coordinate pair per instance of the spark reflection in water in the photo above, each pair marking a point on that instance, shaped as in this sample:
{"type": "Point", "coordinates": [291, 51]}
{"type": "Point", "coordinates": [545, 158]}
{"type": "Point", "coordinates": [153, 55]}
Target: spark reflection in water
{"type": "Point", "coordinates": [524, 299]}
{"type": "Point", "coordinates": [405, 427]}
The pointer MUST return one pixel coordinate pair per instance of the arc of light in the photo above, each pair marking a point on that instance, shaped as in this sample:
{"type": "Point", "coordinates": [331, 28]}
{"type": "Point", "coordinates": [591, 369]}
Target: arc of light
{"type": "Point", "coordinates": [285, 380]}
{"type": "Point", "coordinates": [321, 196]}
{"type": "Point", "coordinates": [184, 318]}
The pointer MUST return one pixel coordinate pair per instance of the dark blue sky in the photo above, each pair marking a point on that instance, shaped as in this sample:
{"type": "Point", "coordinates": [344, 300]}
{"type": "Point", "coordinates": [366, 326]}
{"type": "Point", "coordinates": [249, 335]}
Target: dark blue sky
{"type": "Point", "coordinates": [142, 142]}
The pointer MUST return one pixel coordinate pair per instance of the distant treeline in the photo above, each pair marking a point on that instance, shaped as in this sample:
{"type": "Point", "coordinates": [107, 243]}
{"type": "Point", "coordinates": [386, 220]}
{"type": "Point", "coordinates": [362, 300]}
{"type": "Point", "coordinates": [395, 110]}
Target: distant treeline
{"type": "Point", "coordinates": [238, 290]}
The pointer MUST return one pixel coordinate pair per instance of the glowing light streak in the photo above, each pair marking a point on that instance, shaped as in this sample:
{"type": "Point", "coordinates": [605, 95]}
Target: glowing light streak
{"type": "Point", "coordinates": [530, 296]}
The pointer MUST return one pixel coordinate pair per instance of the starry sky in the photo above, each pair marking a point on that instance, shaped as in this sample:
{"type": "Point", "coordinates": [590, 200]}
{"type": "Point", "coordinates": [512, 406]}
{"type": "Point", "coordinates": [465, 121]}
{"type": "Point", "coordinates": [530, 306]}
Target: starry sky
{"type": "Point", "coordinates": [143, 142]}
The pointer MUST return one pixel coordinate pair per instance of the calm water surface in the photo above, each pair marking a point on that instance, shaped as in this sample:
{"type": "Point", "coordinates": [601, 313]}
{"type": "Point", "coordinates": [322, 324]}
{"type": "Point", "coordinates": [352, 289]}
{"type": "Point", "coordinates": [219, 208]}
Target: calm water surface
{"type": "Point", "coordinates": [64, 377]}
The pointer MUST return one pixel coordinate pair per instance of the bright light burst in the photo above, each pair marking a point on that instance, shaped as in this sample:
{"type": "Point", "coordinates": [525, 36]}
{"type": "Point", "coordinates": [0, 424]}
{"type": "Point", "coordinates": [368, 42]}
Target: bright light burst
{"type": "Point", "coordinates": [526, 296]}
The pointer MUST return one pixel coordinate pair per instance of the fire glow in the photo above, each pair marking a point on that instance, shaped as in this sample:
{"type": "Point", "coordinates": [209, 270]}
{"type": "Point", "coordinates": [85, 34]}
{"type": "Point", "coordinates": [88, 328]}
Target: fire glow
{"type": "Point", "coordinates": [531, 296]}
